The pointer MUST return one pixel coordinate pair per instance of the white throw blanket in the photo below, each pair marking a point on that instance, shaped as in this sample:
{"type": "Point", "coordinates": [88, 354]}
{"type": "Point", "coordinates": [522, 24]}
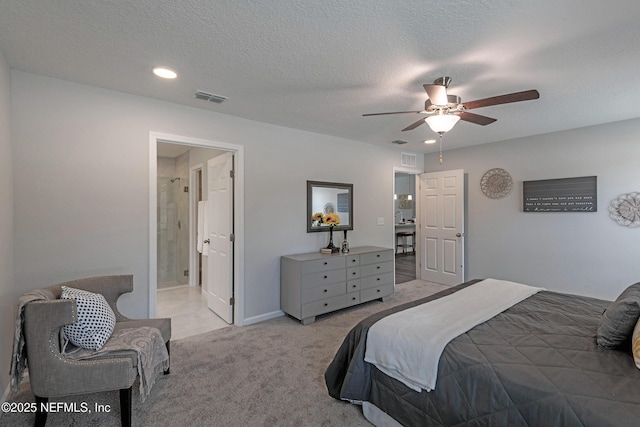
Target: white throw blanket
{"type": "Point", "coordinates": [407, 345]}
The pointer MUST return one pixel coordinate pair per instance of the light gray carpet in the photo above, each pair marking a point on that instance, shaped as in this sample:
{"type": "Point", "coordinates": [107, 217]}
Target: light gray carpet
{"type": "Point", "coordinates": [267, 374]}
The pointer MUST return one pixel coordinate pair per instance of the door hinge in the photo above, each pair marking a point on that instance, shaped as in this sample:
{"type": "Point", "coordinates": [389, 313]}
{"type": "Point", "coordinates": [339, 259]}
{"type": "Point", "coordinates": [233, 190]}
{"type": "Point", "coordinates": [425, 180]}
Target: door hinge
{"type": "Point", "coordinates": [232, 174]}
{"type": "Point", "coordinates": [232, 301]}
{"type": "Point", "coordinates": [232, 237]}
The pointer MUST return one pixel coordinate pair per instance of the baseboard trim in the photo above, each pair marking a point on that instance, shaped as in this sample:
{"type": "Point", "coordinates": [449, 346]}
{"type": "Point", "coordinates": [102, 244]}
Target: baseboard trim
{"type": "Point", "coordinates": [263, 317]}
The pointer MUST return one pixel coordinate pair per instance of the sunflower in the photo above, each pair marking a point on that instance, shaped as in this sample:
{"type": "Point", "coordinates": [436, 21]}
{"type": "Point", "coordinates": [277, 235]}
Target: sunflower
{"type": "Point", "coordinates": [331, 219]}
{"type": "Point", "coordinates": [317, 217]}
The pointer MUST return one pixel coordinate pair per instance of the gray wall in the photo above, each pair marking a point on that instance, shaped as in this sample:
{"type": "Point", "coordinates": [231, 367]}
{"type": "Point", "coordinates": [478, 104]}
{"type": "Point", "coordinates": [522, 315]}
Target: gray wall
{"type": "Point", "coordinates": [7, 294]}
{"type": "Point", "coordinates": [82, 190]}
{"type": "Point", "coordinates": [584, 253]}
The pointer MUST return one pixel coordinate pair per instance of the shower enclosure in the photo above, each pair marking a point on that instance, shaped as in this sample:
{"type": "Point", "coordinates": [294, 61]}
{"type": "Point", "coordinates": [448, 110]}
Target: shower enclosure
{"type": "Point", "coordinates": [173, 230]}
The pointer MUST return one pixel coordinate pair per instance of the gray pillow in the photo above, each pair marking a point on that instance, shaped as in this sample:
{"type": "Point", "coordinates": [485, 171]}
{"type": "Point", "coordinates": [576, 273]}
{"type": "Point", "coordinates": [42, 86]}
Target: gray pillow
{"type": "Point", "coordinates": [619, 319]}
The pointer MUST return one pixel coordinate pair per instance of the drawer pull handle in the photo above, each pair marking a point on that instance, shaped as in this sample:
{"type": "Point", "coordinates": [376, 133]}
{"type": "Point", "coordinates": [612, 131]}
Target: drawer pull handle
{"type": "Point", "coordinates": [353, 260]}
{"type": "Point", "coordinates": [378, 279]}
{"type": "Point", "coordinates": [325, 277]}
{"type": "Point", "coordinates": [353, 298]}
{"type": "Point", "coordinates": [378, 267]}
{"type": "Point", "coordinates": [326, 304]}
{"type": "Point", "coordinates": [378, 255]}
{"type": "Point", "coordinates": [353, 286]}
{"type": "Point", "coordinates": [378, 290]}
{"type": "Point", "coordinates": [325, 290]}
{"type": "Point", "coordinates": [325, 263]}
{"type": "Point", "coordinates": [353, 273]}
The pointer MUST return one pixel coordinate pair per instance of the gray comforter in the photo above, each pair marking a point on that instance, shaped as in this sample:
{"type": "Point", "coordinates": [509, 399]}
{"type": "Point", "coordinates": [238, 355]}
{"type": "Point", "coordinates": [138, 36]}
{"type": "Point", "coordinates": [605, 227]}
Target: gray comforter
{"type": "Point", "coordinates": [535, 364]}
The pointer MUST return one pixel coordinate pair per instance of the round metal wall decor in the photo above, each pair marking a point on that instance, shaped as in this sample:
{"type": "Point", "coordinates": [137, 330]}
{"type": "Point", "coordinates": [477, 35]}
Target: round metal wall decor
{"type": "Point", "coordinates": [625, 210]}
{"type": "Point", "coordinates": [496, 183]}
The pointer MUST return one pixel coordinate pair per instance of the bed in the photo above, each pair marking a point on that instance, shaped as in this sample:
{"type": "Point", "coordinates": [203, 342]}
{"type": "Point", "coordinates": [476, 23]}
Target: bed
{"type": "Point", "coordinates": [535, 364]}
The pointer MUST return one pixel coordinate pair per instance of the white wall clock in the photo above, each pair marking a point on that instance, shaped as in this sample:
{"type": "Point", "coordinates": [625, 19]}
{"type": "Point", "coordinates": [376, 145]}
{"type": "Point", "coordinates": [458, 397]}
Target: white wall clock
{"type": "Point", "coordinates": [625, 210]}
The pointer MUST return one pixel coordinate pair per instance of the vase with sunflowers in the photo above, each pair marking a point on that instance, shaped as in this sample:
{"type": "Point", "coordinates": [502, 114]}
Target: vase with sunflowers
{"type": "Point", "coordinates": [330, 220]}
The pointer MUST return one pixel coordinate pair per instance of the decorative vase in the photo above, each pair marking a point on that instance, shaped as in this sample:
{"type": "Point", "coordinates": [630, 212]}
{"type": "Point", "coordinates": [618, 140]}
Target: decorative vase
{"type": "Point", "coordinates": [345, 244]}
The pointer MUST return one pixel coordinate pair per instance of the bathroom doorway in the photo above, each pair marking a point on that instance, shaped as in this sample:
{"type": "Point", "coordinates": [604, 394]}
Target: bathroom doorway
{"type": "Point", "coordinates": [170, 216]}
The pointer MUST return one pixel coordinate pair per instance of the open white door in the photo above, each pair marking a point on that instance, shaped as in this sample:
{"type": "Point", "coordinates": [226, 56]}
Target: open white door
{"type": "Point", "coordinates": [220, 225]}
{"type": "Point", "coordinates": [441, 227]}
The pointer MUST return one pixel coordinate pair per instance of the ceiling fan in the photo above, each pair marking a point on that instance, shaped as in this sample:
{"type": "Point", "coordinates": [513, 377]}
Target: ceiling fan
{"type": "Point", "coordinates": [445, 110]}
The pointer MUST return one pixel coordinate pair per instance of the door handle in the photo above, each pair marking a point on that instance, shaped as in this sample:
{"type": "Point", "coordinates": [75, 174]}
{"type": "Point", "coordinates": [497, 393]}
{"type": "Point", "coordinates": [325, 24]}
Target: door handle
{"type": "Point", "coordinates": [207, 241]}
{"type": "Point", "coordinates": [458, 235]}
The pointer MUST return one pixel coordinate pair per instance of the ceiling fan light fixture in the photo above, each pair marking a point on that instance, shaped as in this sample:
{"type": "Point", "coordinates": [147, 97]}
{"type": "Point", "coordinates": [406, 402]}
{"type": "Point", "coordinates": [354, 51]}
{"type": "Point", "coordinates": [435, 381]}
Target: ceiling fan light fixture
{"type": "Point", "coordinates": [441, 123]}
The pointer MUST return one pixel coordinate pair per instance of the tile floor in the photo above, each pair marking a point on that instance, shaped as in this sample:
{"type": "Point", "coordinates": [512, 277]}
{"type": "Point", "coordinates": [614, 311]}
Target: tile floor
{"type": "Point", "coordinates": [187, 308]}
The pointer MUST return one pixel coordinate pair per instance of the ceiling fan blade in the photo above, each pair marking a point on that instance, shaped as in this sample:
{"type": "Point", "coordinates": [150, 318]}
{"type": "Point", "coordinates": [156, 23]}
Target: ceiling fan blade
{"type": "Point", "coordinates": [394, 112]}
{"type": "Point", "coordinates": [503, 99]}
{"type": "Point", "coordinates": [414, 125]}
{"type": "Point", "coordinates": [437, 94]}
{"type": "Point", "coordinates": [476, 118]}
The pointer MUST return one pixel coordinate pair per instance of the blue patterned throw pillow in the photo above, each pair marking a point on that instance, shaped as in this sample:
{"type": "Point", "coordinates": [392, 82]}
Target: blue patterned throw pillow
{"type": "Point", "coordinates": [96, 319]}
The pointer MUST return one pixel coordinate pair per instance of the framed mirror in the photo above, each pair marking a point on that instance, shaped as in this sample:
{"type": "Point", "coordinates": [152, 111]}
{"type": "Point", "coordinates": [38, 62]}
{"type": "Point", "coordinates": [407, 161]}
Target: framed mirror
{"type": "Point", "coordinates": [325, 198]}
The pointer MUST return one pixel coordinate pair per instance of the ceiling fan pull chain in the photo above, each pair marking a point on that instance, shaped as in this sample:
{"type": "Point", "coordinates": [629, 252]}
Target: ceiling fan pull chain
{"type": "Point", "coordinates": [440, 148]}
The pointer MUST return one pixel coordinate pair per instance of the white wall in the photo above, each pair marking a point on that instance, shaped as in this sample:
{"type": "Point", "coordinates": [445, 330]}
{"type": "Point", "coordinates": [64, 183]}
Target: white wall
{"type": "Point", "coordinates": [583, 253]}
{"type": "Point", "coordinates": [7, 293]}
{"type": "Point", "coordinates": [81, 186]}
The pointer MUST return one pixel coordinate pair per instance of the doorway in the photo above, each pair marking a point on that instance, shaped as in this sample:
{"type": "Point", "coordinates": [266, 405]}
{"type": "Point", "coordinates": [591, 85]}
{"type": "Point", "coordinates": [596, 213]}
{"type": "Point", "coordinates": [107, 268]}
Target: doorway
{"type": "Point", "coordinates": [404, 219]}
{"type": "Point", "coordinates": [197, 145]}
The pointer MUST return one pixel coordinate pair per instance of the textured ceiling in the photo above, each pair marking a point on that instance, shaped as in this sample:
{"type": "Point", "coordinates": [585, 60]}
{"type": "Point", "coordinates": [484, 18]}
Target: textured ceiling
{"type": "Point", "coordinates": [319, 65]}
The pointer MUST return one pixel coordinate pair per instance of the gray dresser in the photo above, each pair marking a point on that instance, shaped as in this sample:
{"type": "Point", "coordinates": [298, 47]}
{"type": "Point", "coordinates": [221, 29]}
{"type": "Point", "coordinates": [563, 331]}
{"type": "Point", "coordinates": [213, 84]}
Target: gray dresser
{"type": "Point", "coordinates": [313, 283]}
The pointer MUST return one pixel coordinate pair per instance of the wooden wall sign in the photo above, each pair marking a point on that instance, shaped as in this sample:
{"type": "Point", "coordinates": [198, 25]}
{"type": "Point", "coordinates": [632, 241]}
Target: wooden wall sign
{"type": "Point", "coordinates": [561, 195]}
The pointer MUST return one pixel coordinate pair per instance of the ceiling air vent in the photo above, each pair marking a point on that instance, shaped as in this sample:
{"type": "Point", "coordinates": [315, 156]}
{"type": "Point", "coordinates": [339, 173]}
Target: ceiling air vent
{"type": "Point", "coordinates": [398, 142]}
{"type": "Point", "coordinates": [408, 159]}
{"type": "Point", "coordinates": [206, 96]}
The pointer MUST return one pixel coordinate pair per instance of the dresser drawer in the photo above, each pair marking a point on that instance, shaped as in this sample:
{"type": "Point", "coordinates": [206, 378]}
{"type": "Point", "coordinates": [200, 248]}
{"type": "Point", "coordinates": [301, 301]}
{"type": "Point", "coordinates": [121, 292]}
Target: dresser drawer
{"type": "Point", "coordinates": [323, 292]}
{"type": "Point", "coordinates": [353, 298]}
{"type": "Point", "coordinates": [374, 257]}
{"type": "Point", "coordinates": [353, 285]}
{"type": "Point", "coordinates": [376, 292]}
{"type": "Point", "coordinates": [324, 306]}
{"type": "Point", "coordinates": [353, 260]}
{"type": "Point", "coordinates": [325, 277]}
{"type": "Point", "coordinates": [324, 264]}
{"type": "Point", "coordinates": [377, 268]}
{"type": "Point", "coordinates": [353, 273]}
{"type": "Point", "coordinates": [377, 280]}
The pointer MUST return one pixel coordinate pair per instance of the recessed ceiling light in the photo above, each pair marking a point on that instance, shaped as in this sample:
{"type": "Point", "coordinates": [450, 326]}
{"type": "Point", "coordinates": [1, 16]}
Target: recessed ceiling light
{"type": "Point", "coordinates": [165, 73]}
{"type": "Point", "coordinates": [430, 141]}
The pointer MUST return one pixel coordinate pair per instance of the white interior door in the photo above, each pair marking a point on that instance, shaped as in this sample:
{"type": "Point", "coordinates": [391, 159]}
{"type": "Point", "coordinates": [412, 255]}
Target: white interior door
{"type": "Point", "coordinates": [441, 227]}
{"type": "Point", "coordinates": [220, 225]}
